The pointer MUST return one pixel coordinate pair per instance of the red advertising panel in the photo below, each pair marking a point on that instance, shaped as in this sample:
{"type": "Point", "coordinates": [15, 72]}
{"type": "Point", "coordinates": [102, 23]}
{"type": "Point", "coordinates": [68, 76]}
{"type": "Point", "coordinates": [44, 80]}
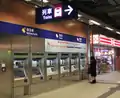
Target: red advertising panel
{"type": "Point", "coordinates": [117, 43]}
{"type": "Point", "coordinates": [105, 40]}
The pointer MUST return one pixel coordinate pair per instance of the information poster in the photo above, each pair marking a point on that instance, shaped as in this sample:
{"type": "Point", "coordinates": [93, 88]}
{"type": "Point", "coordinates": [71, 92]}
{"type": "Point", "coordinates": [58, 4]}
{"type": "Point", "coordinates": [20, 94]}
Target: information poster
{"type": "Point", "coordinates": [64, 46]}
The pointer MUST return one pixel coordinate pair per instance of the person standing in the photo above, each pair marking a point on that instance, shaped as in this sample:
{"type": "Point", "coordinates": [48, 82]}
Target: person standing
{"type": "Point", "coordinates": [92, 69]}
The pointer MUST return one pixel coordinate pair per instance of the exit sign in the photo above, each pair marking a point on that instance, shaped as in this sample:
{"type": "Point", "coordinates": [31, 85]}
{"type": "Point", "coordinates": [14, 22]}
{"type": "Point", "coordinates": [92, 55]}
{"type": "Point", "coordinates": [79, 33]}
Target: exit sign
{"type": "Point", "coordinates": [56, 12]}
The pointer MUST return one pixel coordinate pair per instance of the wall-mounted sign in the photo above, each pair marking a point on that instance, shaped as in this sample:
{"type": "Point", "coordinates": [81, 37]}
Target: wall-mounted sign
{"type": "Point", "coordinates": [104, 40]}
{"type": "Point", "coordinates": [94, 39]}
{"type": "Point", "coordinates": [117, 43]}
{"type": "Point", "coordinates": [35, 32]}
{"type": "Point", "coordinates": [29, 31]}
{"type": "Point", "coordinates": [64, 46]}
{"type": "Point", "coordinates": [56, 12]}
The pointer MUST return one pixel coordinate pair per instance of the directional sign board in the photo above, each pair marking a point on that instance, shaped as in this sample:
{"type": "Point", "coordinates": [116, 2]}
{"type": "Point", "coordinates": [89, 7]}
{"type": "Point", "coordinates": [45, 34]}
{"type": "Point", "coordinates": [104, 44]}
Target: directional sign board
{"type": "Point", "coordinates": [55, 12]}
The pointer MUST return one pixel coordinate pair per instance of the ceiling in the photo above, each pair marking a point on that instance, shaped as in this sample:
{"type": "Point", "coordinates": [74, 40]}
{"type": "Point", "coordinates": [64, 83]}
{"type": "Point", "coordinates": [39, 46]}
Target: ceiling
{"type": "Point", "coordinates": [40, 3]}
{"type": "Point", "coordinates": [106, 10]}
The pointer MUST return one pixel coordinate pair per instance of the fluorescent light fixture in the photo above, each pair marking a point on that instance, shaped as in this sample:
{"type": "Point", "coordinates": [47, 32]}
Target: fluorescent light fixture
{"type": "Point", "coordinates": [79, 18]}
{"type": "Point", "coordinates": [117, 32]}
{"type": "Point", "coordinates": [94, 22]}
{"type": "Point", "coordinates": [109, 28]}
{"type": "Point", "coordinates": [28, 0]}
{"type": "Point", "coordinates": [79, 15]}
{"type": "Point", "coordinates": [45, 1]}
{"type": "Point", "coordinates": [36, 6]}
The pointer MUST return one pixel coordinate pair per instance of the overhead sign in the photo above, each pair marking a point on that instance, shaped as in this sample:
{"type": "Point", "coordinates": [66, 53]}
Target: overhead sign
{"type": "Point", "coordinates": [56, 12]}
{"type": "Point", "coordinates": [69, 10]}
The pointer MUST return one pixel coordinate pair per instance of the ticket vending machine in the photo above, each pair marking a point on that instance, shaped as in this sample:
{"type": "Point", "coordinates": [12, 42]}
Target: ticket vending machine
{"type": "Point", "coordinates": [82, 65]}
{"type": "Point", "coordinates": [20, 64]}
{"type": "Point", "coordinates": [74, 63]}
{"type": "Point", "coordinates": [51, 66]}
{"type": "Point", "coordinates": [37, 67]}
{"type": "Point", "coordinates": [82, 61]}
{"type": "Point", "coordinates": [64, 64]}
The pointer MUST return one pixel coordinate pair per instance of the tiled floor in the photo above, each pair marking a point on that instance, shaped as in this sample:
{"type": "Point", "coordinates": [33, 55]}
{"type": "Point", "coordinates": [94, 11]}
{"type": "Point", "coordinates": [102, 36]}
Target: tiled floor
{"type": "Point", "coordinates": [115, 95]}
{"type": "Point", "coordinates": [108, 88]}
{"type": "Point", "coordinates": [79, 90]}
{"type": "Point", "coordinates": [113, 77]}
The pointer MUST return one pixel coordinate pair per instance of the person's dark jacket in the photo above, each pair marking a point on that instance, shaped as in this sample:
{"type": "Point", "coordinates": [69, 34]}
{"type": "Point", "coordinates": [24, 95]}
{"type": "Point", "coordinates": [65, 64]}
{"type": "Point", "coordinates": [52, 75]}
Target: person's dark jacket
{"type": "Point", "coordinates": [92, 68]}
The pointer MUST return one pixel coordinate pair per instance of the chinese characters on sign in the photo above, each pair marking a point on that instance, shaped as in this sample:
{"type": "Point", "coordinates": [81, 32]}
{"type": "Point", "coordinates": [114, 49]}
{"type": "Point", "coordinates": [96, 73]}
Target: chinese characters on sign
{"type": "Point", "coordinates": [59, 36]}
{"type": "Point", "coordinates": [29, 31]}
{"type": "Point", "coordinates": [79, 39]}
{"type": "Point", "coordinates": [47, 13]}
{"type": "Point", "coordinates": [50, 13]}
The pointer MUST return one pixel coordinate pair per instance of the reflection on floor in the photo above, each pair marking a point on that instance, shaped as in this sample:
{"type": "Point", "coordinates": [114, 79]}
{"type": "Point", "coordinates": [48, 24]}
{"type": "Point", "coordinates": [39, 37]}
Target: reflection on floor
{"type": "Point", "coordinates": [113, 77]}
{"type": "Point", "coordinates": [79, 90]}
{"type": "Point", "coordinates": [109, 88]}
{"type": "Point", "coordinates": [42, 87]}
{"type": "Point", "coordinates": [115, 95]}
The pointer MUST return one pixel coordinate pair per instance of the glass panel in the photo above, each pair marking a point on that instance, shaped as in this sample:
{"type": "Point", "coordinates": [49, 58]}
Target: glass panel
{"type": "Point", "coordinates": [82, 61]}
{"type": "Point", "coordinates": [74, 63]}
{"type": "Point", "coordinates": [37, 67]}
{"type": "Point", "coordinates": [51, 65]}
{"type": "Point", "coordinates": [64, 64]}
{"type": "Point", "coordinates": [20, 71]}
{"type": "Point", "coordinates": [21, 64]}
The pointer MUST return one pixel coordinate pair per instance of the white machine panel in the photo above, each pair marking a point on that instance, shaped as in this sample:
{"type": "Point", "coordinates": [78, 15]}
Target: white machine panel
{"type": "Point", "coordinates": [50, 71]}
{"type": "Point", "coordinates": [64, 69]}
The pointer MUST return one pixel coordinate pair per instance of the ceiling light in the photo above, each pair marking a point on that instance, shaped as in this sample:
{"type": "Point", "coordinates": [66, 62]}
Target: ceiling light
{"type": "Point", "coordinates": [94, 22]}
{"type": "Point", "coordinates": [117, 32]}
{"type": "Point", "coordinates": [109, 28]}
{"type": "Point", "coordinates": [27, 0]}
{"type": "Point", "coordinates": [79, 15]}
{"type": "Point", "coordinates": [78, 18]}
{"type": "Point", "coordinates": [81, 20]}
{"type": "Point", "coordinates": [45, 1]}
{"type": "Point", "coordinates": [36, 6]}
